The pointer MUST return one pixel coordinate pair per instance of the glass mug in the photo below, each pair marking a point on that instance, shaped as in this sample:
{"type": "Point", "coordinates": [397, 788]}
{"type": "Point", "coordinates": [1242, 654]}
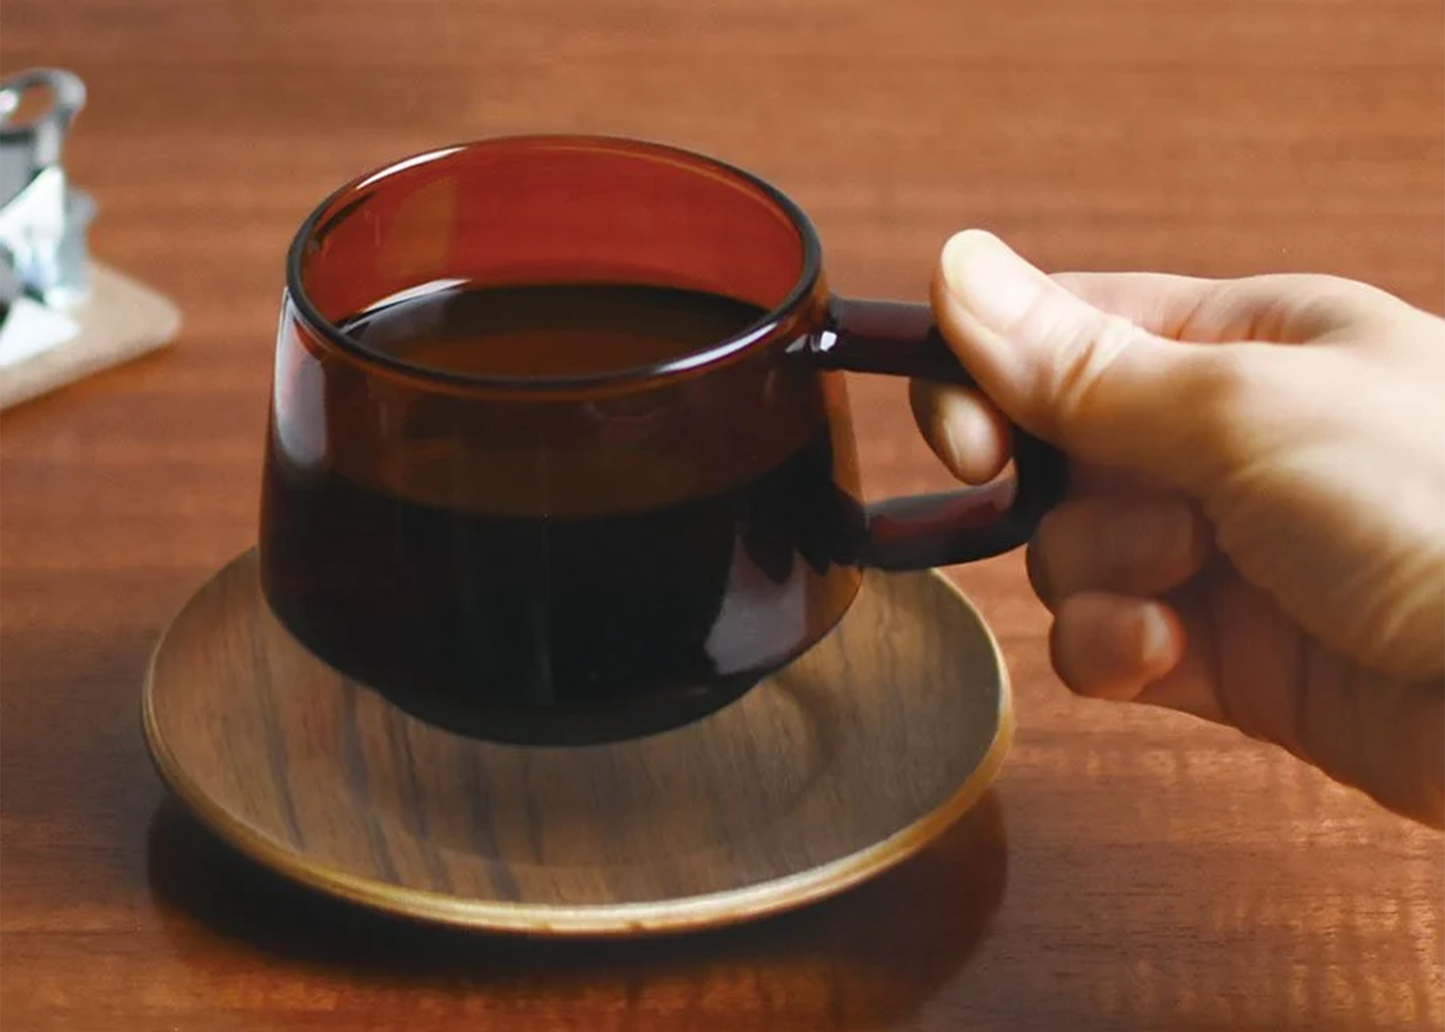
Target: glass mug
{"type": "Point", "coordinates": [554, 537]}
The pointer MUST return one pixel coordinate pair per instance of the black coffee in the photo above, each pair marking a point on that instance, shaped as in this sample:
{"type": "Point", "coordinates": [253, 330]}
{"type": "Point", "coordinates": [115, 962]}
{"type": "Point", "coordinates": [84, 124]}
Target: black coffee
{"type": "Point", "coordinates": [558, 627]}
{"type": "Point", "coordinates": [573, 329]}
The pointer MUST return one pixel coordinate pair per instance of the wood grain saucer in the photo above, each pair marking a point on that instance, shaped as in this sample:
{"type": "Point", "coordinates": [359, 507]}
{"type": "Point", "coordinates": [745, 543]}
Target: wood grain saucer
{"type": "Point", "coordinates": [843, 764]}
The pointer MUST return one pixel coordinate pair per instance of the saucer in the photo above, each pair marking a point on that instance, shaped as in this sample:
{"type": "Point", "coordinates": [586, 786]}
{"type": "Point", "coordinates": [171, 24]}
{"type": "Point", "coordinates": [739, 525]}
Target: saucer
{"type": "Point", "coordinates": [839, 766]}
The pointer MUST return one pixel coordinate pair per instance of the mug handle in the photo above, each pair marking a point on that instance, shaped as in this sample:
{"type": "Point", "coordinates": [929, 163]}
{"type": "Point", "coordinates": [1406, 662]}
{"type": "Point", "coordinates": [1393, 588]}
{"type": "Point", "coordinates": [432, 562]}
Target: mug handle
{"type": "Point", "coordinates": [897, 338]}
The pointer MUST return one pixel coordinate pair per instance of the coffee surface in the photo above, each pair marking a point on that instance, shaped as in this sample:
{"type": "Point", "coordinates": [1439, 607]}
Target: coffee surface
{"type": "Point", "coordinates": [562, 330]}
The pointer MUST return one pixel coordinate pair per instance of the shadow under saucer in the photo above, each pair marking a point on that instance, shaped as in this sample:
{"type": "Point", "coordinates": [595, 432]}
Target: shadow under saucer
{"type": "Point", "coordinates": [866, 958]}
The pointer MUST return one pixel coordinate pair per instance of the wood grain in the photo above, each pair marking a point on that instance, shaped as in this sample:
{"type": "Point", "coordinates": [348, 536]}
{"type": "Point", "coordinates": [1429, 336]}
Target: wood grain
{"type": "Point", "coordinates": [841, 765]}
{"type": "Point", "coordinates": [1132, 870]}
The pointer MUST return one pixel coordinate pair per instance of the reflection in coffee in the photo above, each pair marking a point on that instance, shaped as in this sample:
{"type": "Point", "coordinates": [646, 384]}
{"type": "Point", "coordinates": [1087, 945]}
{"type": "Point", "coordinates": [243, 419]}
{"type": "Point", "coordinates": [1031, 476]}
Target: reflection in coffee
{"type": "Point", "coordinates": [496, 622]}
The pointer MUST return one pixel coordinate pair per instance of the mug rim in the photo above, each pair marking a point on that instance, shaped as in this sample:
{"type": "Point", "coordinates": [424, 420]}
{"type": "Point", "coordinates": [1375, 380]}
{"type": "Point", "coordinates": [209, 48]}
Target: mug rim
{"type": "Point", "coordinates": [756, 332]}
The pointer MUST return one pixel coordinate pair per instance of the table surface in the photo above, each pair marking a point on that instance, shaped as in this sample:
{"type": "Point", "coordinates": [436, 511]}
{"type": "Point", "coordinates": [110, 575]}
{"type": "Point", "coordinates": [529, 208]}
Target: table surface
{"type": "Point", "coordinates": [1131, 870]}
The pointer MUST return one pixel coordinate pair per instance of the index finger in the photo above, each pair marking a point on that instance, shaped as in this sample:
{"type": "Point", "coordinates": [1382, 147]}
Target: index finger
{"type": "Point", "coordinates": [1279, 308]}
{"type": "Point", "coordinates": [1162, 303]}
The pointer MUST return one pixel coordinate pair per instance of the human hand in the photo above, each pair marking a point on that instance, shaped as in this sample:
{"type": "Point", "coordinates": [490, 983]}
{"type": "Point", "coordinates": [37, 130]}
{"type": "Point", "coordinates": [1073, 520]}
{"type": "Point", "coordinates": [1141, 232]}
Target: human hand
{"type": "Point", "coordinates": [1255, 532]}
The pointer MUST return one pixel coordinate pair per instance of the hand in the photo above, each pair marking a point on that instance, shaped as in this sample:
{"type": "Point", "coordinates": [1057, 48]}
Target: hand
{"type": "Point", "coordinates": [1256, 527]}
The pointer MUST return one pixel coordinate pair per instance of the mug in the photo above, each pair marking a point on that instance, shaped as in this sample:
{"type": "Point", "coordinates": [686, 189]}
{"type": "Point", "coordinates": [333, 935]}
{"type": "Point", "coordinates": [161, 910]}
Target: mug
{"type": "Point", "coordinates": [516, 521]}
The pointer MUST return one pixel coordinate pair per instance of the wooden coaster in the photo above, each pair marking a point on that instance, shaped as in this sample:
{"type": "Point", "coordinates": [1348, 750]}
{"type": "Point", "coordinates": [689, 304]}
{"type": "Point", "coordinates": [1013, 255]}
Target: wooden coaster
{"type": "Point", "coordinates": [120, 320]}
{"type": "Point", "coordinates": [845, 763]}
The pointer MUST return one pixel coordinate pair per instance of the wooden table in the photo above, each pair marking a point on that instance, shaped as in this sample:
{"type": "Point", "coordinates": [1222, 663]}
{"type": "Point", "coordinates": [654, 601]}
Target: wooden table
{"type": "Point", "coordinates": [1132, 869]}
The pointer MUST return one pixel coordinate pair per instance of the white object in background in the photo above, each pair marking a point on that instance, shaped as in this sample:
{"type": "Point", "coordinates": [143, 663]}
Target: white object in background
{"type": "Point", "coordinates": [119, 320]}
{"type": "Point", "coordinates": [31, 328]}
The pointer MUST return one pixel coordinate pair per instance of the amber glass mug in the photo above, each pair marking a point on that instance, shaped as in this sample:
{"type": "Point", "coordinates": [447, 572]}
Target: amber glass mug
{"type": "Point", "coordinates": [589, 553]}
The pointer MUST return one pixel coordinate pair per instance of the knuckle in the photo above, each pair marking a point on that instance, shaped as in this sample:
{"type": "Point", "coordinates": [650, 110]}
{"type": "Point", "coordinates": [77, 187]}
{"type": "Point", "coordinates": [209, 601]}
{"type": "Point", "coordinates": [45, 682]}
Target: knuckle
{"type": "Point", "coordinates": [1299, 307]}
{"type": "Point", "coordinates": [1227, 400]}
{"type": "Point", "coordinates": [1081, 361]}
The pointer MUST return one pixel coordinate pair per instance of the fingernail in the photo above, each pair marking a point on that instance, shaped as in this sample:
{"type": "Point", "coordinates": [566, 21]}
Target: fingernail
{"type": "Point", "coordinates": [1156, 638]}
{"type": "Point", "coordinates": [988, 278]}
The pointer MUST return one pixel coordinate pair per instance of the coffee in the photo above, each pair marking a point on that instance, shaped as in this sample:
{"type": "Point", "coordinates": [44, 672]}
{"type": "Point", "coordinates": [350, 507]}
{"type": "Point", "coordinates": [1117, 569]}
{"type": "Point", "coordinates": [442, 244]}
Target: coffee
{"type": "Point", "coordinates": [552, 330]}
{"type": "Point", "coordinates": [557, 623]}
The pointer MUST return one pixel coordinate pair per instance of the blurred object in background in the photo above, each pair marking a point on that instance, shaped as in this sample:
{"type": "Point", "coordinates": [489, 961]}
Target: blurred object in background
{"type": "Point", "coordinates": [61, 317]}
{"type": "Point", "coordinates": [42, 220]}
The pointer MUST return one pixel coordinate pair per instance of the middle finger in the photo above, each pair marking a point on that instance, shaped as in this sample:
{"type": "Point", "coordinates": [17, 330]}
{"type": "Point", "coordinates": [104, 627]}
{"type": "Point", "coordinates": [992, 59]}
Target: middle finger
{"type": "Point", "coordinates": [1138, 545]}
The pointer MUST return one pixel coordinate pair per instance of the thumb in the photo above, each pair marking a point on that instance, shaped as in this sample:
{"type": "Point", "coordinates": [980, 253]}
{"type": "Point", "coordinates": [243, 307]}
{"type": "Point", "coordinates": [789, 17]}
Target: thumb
{"type": "Point", "coordinates": [1101, 387]}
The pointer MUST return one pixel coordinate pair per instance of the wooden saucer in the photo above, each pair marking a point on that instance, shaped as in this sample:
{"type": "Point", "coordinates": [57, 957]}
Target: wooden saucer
{"type": "Point", "coordinates": [845, 763]}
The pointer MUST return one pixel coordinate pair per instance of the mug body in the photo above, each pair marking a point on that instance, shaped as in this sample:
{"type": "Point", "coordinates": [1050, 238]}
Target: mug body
{"type": "Point", "coordinates": [487, 501]}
